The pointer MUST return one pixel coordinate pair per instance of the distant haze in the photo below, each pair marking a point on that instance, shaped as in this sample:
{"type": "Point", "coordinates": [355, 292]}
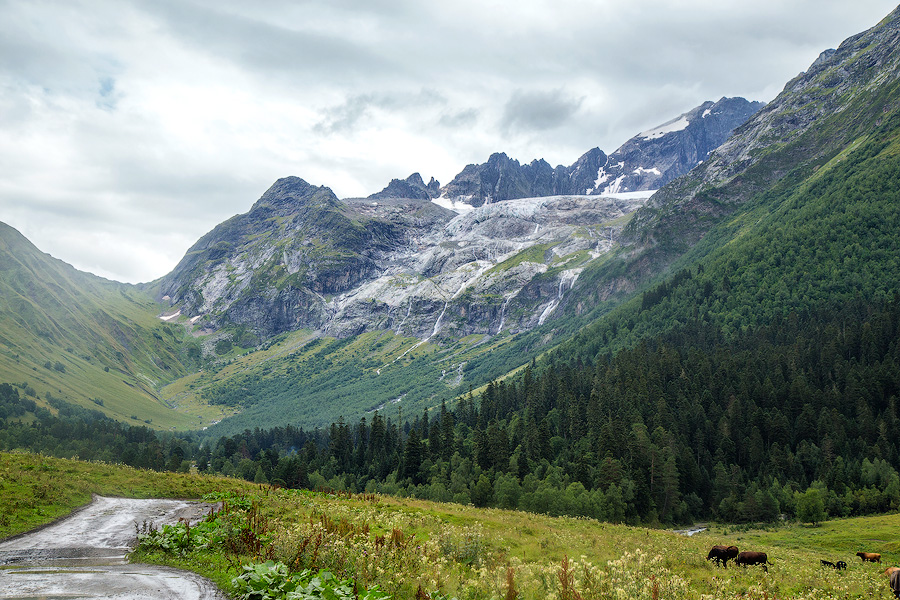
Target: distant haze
{"type": "Point", "coordinates": [130, 128]}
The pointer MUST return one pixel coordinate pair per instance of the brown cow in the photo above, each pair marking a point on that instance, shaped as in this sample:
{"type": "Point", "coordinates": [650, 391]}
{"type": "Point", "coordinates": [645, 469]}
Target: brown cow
{"type": "Point", "coordinates": [895, 582]}
{"type": "Point", "coordinates": [890, 570]}
{"type": "Point", "coordinates": [722, 554]}
{"type": "Point", "coordinates": [753, 558]}
{"type": "Point", "coordinates": [869, 556]}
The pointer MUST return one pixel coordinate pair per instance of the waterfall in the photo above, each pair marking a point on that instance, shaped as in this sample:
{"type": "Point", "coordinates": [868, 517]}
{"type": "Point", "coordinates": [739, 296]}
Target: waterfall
{"type": "Point", "coordinates": [566, 278]}
{"type": "Point", "coordinates": [437, 324]}
{"type": "Point", "coordinates": [503, 310]}
{"type": "Point", "coordinates": [408, 309]}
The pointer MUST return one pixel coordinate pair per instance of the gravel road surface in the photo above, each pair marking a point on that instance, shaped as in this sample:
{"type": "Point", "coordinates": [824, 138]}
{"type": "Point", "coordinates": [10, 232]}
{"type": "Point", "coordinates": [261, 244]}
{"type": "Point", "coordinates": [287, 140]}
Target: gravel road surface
{"type": "Point", "coordinates": [84, 556]}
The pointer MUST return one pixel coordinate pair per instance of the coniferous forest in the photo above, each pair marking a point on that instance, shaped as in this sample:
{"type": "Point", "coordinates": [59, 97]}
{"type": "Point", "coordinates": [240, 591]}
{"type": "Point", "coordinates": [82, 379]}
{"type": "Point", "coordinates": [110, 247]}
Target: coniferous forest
{"type": "Point", "coordinates": [796, 418]}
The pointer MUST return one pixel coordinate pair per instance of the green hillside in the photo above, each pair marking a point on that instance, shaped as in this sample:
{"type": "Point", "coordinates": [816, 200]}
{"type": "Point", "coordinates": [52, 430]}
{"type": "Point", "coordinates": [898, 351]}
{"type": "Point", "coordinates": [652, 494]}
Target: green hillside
{"type": "Point", "coordinates": [312, 381]}
{"type": "Point", "coordinates": [72, 336]}
{"type": "Point", "coordinates": [831, 238]}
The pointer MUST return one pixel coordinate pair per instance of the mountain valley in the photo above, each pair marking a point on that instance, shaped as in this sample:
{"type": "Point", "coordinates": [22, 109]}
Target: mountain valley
{"type": "Point", "coordinates": [310, 307]}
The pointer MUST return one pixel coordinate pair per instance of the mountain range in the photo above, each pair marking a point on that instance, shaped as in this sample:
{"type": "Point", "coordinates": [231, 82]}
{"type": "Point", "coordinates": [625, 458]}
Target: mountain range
{"type": "Point", "coordinates": [309, 307]}
{"type": "Point", "coordinates": [518, 238]}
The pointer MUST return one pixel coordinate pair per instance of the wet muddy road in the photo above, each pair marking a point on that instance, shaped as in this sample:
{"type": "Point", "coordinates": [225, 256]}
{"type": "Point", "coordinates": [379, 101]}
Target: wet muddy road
{"type": "Point", "coordinates": [84, 556]}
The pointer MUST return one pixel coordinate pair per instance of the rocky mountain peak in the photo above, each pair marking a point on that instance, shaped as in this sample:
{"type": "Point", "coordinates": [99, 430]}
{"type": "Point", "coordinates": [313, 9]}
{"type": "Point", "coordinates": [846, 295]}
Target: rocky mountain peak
{"type": "Point", "coordinates": [655, 157]}
{"type": "Point", "coordinates": [291, 193]}
{"type": "Point", "coordinates": [413, 187]}
{"type": "Point", "coordinates": [844, 95]}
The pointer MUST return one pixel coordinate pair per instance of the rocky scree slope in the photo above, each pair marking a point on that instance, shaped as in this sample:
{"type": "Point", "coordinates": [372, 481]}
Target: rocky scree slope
{"type": "Point", "coordinates": [302, 259]}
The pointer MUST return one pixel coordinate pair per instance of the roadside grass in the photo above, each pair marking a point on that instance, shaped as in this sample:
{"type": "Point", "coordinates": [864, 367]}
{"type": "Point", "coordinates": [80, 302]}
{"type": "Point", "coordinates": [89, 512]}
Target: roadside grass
{"type": "Point", "coordinates": [455, 551]}
{"type": "Point", "coordinates": [36, 489]}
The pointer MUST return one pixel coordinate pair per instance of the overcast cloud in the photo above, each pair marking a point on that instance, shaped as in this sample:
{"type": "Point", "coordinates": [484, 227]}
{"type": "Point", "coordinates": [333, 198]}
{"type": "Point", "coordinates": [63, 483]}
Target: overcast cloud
{"type": "Point", "coordinates": [132, 127]}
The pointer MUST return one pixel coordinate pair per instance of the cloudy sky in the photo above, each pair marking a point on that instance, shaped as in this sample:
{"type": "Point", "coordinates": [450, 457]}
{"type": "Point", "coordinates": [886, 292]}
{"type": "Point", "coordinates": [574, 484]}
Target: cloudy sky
{"type": "Point", "coordinates": [130, 128]}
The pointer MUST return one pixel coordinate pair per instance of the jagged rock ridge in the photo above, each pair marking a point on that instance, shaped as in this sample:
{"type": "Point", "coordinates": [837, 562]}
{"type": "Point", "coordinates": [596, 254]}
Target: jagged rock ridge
{"type": "Point", "coordinates": [645, 162]}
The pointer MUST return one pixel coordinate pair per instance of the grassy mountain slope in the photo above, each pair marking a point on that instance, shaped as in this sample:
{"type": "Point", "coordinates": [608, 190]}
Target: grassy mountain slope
{"type": "Point", "coordinates": [832, 235]}
{"type": "Point", "coordinates": [298, 378]}
{"type": "Point", "coordinates": [84, 339]}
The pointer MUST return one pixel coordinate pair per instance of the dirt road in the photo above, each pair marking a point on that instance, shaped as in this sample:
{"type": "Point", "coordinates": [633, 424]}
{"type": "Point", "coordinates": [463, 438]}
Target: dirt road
{"type": "Point", "coordinates": [84, 556]}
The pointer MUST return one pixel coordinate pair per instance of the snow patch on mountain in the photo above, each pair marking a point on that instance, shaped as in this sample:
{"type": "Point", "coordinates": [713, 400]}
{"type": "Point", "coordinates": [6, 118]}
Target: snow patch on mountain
{"type": "Point", "coordinates": [457, 205]}
{"type": "Point", "coordinates": [642, 170]}
{"type": "Point", "coordinates": [602, 177]}
{"type": "Point", "coordinates": [678, 124]}
{"type": "Point", "coordinates": [615, 187]}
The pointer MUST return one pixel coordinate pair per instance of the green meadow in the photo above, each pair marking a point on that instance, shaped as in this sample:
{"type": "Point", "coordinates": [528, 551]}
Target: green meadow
{"type": "Point", "coordinates": [403, 546]}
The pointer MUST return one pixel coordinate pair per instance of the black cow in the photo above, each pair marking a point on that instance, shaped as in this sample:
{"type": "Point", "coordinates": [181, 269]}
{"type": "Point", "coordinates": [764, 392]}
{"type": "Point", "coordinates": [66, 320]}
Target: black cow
{"type": "Point", "coordinates": [895, 583]}
{"type": "Point", "coordinates": [722, 554]}
{"type": "Point", "coordinates": [753, 558]}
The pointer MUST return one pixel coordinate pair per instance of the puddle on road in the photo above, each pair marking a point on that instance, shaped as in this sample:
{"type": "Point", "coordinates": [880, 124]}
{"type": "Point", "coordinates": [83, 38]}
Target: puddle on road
{"type": "Point", "coordinates": [45, 597]}
{"type": "Point", "coordinates": [47, 564]}
{"type": "Point", "coordinates": [47, 571]}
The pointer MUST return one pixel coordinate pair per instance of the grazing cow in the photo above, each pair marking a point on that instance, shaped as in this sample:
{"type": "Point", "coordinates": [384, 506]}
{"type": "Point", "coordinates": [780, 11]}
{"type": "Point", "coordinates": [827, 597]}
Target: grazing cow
{"type": "Point", "coordinates": [890, 570]}
{"type": "Point", "coordinates": [722, 554]}
{"type": "Point", "coordinates": [869, 556]}
{"type": "Point", "coordinates": [839, 565]}
{"type": "Point", "coordinates": [753, 558]}
{"type": "Point", "coordinates": [895, 582]}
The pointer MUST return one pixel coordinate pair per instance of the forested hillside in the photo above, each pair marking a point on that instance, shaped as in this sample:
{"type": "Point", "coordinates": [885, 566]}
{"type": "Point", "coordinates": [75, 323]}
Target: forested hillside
{"type": "Point", "coordinates": [734, 428]}
{"type": "Point", "coordinates": [740, 428]}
